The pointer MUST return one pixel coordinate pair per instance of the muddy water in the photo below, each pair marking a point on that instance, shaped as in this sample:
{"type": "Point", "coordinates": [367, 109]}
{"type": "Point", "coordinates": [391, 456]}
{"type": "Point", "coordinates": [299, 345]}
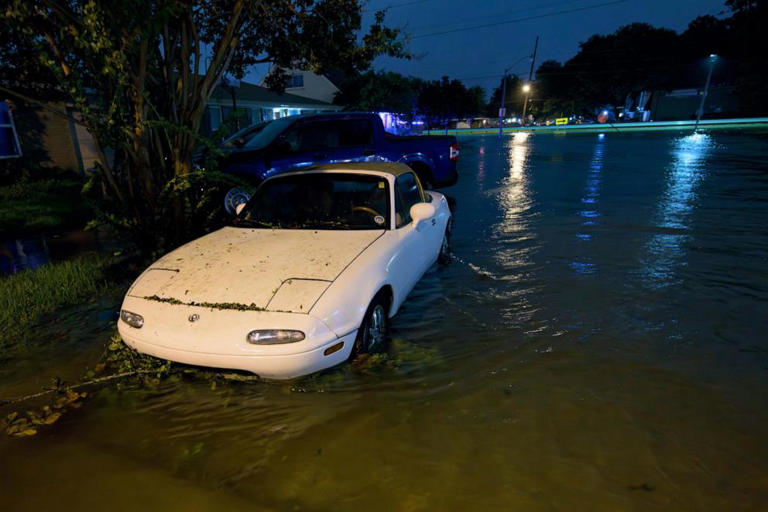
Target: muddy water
{"type": "Point", "coordinates": [599, 343]}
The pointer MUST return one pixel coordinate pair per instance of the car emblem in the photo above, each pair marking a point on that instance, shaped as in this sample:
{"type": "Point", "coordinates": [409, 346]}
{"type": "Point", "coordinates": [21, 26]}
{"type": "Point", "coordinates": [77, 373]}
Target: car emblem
{"type": "Point", "coordinates": [194, 317]}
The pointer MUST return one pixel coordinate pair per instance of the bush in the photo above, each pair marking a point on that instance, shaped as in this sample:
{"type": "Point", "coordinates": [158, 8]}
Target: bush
{"type": "Point", "coordinates": [27, 205]}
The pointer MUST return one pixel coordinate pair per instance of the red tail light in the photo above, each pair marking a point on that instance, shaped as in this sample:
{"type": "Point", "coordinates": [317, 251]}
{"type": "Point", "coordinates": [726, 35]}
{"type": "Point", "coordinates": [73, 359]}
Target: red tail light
{"type": "Point", "coordinates": [454, 153]}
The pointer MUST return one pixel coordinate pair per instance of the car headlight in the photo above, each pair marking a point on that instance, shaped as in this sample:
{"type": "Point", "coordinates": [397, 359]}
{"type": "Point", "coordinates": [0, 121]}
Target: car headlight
{"type": "Point", "coordinates": [132, 319]}
{"type": "Point", "coordinates": [274, 336]}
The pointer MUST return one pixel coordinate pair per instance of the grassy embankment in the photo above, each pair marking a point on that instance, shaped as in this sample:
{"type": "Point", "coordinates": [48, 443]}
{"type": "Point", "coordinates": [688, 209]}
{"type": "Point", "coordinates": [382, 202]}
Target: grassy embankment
{"type": "Point", "coordinates": [29, 296]}
{"type": "Point", "coordinates": [37, 205]}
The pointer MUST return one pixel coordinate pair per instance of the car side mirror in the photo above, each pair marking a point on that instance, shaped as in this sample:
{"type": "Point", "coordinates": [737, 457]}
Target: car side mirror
{"type": "Point", "coordinates": [421, 212]}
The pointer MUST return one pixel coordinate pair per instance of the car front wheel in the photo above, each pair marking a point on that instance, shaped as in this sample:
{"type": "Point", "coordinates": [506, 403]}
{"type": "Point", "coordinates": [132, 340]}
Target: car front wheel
{"type": "Point", "coordinates": [444, 257]}
{"type": "Point", "coordinates": [373, 335]}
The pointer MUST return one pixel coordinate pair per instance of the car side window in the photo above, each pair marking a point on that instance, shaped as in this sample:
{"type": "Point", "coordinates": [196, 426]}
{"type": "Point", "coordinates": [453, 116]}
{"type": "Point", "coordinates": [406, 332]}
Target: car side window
{"type": "Point", "coordinates": [407, 194]}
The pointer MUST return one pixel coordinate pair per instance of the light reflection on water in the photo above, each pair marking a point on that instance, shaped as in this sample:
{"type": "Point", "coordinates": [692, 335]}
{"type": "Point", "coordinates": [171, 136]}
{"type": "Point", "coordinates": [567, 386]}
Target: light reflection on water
{"type": "Point", "coordinates": [684, 175]}
{"type": "Point", "coordinates": [591, 198]}
{"type": "Point", "coordinates": [544, 369]}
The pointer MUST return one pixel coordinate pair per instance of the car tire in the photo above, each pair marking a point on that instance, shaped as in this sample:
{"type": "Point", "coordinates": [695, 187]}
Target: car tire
{"type": "Point", "coordinates": [373, 335]}
{"type": "Point", "coordinates": [444, 256]}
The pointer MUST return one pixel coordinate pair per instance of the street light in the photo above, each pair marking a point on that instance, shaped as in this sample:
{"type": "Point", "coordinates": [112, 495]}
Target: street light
{"type": "Point", "coordinates": [526, 90]}
{"type": "Point", "coordinates": [503, 101]}
{"type": "Point", "coordinates": [712, 59]}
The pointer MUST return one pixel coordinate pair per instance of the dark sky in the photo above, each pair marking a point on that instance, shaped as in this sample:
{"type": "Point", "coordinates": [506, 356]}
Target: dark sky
{"type": "Point", "coordinates": [479, 56]}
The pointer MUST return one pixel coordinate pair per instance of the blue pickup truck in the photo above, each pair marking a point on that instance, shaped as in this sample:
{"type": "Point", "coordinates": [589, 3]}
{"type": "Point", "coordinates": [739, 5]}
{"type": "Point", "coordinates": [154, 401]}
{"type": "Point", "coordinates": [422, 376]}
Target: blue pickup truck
{"type": "Point", "coordinates": [266, 149]}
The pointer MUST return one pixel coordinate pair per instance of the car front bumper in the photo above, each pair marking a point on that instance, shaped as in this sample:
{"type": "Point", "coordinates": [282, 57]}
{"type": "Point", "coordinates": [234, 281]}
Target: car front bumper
{"type": "Point", "coordinates": [269, 366]}
{"type": "Point", "coordinates": [216, 338]}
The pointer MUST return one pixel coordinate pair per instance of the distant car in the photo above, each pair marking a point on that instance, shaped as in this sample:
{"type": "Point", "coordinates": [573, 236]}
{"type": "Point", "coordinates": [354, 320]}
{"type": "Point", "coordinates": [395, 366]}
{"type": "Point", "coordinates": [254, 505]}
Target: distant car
{"type": "Point", "coordinates": [267, 149]}
{"type": "Point", "coordinates": [308, 275]}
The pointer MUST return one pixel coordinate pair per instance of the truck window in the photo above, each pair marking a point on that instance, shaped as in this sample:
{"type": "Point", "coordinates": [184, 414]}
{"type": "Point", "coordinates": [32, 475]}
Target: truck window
{"type": "Point", "coordinates": [407, 194]}
{"type": "Point", "coordinates": [355, 133]}
{"type": "Point", "coordinates": [319, 136]}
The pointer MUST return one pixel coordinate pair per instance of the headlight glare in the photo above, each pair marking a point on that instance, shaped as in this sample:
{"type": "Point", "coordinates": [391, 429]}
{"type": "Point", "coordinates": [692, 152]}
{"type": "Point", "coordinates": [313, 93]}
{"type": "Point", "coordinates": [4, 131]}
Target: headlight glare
{"type": "Point", "coordinates": [132, 319]}
{"type": "Point", "coordinates": [274, 336]}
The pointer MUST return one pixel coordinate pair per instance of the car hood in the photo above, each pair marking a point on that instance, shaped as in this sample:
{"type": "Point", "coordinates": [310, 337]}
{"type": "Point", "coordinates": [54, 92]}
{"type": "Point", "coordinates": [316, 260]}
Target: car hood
{"type": "Point", "coordinates": [239, 268]}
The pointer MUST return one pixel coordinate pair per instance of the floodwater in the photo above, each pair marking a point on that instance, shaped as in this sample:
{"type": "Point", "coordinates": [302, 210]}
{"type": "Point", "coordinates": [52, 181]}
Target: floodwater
{"type": "Point", "coordinates": [32, 252]}
{"type": "Point", "coordinates": [599, 343]}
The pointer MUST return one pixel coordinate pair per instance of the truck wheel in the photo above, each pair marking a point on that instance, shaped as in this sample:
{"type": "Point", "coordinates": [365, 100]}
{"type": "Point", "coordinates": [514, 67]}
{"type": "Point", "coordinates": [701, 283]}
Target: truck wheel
{"type": "Point", "coordinates": [373, 335]}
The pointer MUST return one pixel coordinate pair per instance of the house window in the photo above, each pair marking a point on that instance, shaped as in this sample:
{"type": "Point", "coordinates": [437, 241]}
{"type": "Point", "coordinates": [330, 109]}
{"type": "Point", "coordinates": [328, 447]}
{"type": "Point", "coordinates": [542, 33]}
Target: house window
{"type": "Point", "coordinates": [295, 81]}
{"type": "Point", "coordinates": [215, 113]}
{"type": "Point", "coordinates": [9, 140]}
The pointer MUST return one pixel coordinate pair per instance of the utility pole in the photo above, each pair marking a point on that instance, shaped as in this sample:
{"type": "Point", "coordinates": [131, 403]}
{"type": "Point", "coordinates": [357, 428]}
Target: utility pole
{"type": "Point", "coordinates": [527, 87]}
{"type": "Point", "coordinates": [533, 59]}
{"type": "Point", "coordinates": [712, 59]}
{"type": "Point", "coordinates": [502, 112]}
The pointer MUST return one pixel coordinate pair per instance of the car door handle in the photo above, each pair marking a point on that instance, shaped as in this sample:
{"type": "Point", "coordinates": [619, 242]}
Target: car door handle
{"type": "Point", "coordinates": [368, 152]}
{"type": "Point", "coordinates": [319, 155]}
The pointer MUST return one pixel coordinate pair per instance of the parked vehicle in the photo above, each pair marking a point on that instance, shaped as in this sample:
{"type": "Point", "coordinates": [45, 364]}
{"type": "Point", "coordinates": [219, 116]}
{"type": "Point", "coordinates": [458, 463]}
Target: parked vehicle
{"type": "Point", "coordinates": [309, 274]}
{"type": "Point", "coordinates": [278, 146]}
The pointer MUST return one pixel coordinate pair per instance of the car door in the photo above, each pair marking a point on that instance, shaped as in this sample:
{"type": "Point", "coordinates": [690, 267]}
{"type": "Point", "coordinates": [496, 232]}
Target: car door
{"type": "Point", "coordinates": [321, 142]}
{"type": "Point", "coordinates": [415, 252]}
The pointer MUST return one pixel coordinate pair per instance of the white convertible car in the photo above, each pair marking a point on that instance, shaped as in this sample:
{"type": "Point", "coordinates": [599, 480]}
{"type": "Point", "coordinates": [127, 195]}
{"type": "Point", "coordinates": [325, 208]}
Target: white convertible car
{"type": "Point", "coordinates": [308, 275]}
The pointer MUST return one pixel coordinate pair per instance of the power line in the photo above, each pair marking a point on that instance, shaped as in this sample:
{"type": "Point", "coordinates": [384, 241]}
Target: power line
{"type": "Point", "coordinates": [403, 4]}
{"type": "Point", "coordinates": [517, 20]}
{"type": "Point", "coordinates": [497, 14]}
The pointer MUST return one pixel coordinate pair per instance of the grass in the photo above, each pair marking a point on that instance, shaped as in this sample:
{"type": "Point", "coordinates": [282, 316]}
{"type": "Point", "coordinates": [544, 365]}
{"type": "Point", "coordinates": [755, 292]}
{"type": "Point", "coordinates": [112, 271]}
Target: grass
{"type": "Point", "coordinates": [32, 206]}
{"type": "Point", "coordinates": [30, 295]}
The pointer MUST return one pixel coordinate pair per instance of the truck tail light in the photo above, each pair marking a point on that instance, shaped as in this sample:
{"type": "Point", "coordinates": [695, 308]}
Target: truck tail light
{"type": "Point", "coordinates": [454, 152]}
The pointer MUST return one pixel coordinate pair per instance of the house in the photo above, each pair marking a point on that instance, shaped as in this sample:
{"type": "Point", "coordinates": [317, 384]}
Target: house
{"type": "Point", "coordinates": [310, 85]}
{"type": "Point", "coordinates": [256, 104]}
{"type": "Point", "coordinates": [49, 136]}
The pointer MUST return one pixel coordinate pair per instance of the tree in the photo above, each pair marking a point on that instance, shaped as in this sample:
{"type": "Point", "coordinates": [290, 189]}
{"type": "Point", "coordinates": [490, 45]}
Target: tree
{"type": "Point", "coordinates": [640, 57]}
{"type": "Point", "coordinates": [382, 91]}
{"type": "Point", "coordinates": [445, 99]}
{"type": "Point", "coordinates": [141, 72]}
{"type": "Point", "coordinates": [553, 90]}
{"type": "Point", "coordinates": [513, 101]}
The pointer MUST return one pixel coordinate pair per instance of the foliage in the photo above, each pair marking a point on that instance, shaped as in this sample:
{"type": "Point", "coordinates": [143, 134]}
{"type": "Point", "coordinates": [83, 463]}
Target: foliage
{"type": "Point", "coordinates": [382, 91]}
{"type": "Point", "coordinates": [198, 197]}
{"type": "Point", "coordinates": [232, 306]}
{"type": "Point", "coordinates": [640, 57]}
{"type": "Point", "coordinates": [134, 70]}
{"type": "Point", "coordinates": [445, 99]}
{"type": "Point", "coordinates": [514, 97]}
{"type": "Point", "coordinates": [118, 362]}
{"type": "Point", "coordinates": [385, 91]}
{"type": "Point", "coordinates": [31, 205]}
{"type": "Point", "coordinates": [25, 425]}
{"type": "Point", "coordinates": [26, 297]}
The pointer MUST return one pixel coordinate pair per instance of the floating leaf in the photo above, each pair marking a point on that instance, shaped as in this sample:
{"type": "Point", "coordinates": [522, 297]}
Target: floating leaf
{"type": "Point", "coordinates": [53, 418]}
{"type": "Point", "coordinates": [25, 433]}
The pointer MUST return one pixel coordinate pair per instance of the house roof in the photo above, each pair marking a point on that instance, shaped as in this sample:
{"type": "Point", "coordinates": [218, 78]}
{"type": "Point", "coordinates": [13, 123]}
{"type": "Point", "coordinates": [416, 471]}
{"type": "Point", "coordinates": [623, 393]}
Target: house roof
{"type": "Point", "coordinates": [256, 93]}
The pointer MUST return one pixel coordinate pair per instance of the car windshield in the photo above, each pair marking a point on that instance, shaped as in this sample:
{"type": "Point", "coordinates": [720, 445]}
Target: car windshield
{"type": "Point", "coordinates": [260, 135]}
{"type": "Point", "coordinates": [319, 201]}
